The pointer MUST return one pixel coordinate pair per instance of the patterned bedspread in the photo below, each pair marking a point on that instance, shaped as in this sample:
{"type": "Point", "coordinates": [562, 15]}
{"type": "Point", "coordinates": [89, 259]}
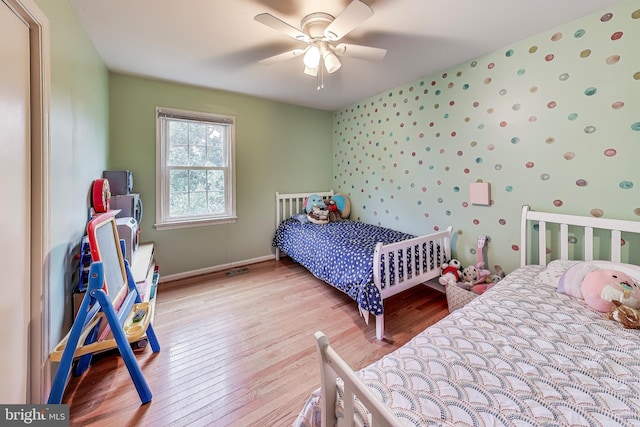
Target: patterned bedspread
{"type": "Point", "coordinates": [519, 355]}
{"type": "Point", "coordinates": [339, 253]}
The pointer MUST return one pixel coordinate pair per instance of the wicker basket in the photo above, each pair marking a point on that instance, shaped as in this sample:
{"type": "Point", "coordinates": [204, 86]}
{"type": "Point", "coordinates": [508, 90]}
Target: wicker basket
{"type": "Point", "coordinates": [458, 297]}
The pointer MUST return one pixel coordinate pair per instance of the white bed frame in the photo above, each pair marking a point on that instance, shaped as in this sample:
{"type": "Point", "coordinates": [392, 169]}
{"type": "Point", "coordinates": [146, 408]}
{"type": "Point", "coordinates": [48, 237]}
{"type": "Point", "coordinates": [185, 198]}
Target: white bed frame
{"type": "Point", "coordinates": [333, 366]}
{"type": "Point", "coordinates": [289, 204]}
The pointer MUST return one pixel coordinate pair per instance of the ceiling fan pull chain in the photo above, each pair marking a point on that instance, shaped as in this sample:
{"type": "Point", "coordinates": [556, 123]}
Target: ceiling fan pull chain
{"type": "Point", "coordinates": [321, 76]}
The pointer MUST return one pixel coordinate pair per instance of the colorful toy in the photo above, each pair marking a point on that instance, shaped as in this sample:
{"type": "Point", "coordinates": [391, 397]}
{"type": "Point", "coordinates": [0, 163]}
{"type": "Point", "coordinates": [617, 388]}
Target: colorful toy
{"type": "Point", "coordinates": [343, 203]}
{"type": "Point", "coordinates": [475, 277]}
{"type": "Point", "coordinates": [602, 286]}
{"type": "Point", "coordinates": [335, 215]}
{"type": "Point", "coordinates": [450, 272]}
{"type": "Point", "coordinates": [313, 200]}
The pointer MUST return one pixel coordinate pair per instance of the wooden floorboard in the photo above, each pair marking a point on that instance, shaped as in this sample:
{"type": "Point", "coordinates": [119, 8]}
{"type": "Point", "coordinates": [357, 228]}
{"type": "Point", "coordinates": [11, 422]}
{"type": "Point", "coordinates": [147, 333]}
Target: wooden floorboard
{"type": "Point", "coordinates": [239, 351]}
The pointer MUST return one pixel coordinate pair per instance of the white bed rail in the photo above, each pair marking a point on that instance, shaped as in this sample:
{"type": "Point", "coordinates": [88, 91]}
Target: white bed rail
{"type": "Point", "coordinates": [331, 367]}
{"type": "Point", "coordinates": [581, 226]}
{"type": "Point", "coordinates": [424, 255]}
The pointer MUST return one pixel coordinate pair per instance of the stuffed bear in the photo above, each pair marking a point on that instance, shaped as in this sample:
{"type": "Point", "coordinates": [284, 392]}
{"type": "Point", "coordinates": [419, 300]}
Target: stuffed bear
{"type": "Point", "coordinates": [450, 272]}
{"type": "Point", "coordinates": [335, 215]}
{"type": "Point", "coordinates": [601, 286]}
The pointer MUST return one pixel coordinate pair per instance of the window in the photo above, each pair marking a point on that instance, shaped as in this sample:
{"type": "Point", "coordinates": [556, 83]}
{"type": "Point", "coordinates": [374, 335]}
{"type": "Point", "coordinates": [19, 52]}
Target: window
{"type": "Point", "coordinates": [195, 176]}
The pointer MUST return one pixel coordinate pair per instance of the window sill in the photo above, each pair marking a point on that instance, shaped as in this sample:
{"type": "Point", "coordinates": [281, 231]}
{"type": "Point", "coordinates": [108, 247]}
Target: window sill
{"type": "Point", "coordinates": [192, 224]}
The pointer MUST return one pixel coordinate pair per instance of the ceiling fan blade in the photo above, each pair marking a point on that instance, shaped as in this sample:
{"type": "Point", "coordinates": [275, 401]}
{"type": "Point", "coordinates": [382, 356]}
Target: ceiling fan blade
{"type": "Point", "coordinates": [352, 16]}
{"type": "Point", "coordinates": [284, 56]}
{"type": "Point", "coordinates": [279, 25]}
{"type": "Point", "coordinates": [358, 51]}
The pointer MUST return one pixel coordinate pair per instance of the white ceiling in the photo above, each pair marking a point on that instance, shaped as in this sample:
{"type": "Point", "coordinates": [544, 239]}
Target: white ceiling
{"type": "Point", "coordinates": [217, 44]}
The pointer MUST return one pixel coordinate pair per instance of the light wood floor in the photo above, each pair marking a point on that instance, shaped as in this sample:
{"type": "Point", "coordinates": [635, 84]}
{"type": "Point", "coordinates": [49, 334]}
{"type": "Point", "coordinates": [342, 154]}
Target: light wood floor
{"type": "Point", "coordinates": [239, 350]}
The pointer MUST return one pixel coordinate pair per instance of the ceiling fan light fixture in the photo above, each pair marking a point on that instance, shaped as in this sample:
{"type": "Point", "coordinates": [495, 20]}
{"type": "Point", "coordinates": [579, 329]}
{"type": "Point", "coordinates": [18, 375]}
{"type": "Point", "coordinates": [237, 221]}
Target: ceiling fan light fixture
{"type": "Point", "coordinates": [311, 71]}
{"type": "Point", "coordinates": [312, 57]}
{"type": "Point", "coordinates": [331, 62]}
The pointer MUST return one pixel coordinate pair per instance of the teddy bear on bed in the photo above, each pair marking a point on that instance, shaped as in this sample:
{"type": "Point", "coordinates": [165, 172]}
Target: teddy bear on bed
{"type": "Point", "coordinates": [335, 214]}
{"type": "Point", "coordinates": [450, 272]}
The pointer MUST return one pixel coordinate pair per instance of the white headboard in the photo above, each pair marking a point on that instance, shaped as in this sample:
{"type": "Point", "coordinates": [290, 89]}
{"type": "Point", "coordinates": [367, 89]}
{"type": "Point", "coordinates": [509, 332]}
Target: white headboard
{"type": "Point", "coordinates": [289, 204]}
{"type": "Point", "coordinates": [555, 230]}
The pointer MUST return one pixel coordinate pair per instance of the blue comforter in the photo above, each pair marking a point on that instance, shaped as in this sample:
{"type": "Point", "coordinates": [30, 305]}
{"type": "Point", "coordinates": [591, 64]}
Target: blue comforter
{"type": "Point", "coordinates": [339, 253]}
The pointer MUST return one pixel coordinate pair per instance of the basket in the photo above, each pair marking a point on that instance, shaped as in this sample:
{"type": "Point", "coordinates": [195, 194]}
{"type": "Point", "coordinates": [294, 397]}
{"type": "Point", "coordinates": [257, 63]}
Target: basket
{"type": "Point", "coordinates": [458, 297]}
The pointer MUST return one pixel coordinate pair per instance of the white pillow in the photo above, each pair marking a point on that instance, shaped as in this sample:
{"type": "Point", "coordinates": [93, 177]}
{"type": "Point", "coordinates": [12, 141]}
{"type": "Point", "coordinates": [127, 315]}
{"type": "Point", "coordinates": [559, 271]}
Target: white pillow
{"type": "Point", "coordinates": [555, 269]}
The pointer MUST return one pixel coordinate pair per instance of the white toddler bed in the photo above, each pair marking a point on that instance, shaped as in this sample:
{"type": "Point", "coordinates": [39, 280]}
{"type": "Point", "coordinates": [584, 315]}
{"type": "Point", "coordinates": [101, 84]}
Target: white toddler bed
{"type": "Point", "coordinates": [521, 354]}
{"type": "Point", "coordinates": [368, 262]}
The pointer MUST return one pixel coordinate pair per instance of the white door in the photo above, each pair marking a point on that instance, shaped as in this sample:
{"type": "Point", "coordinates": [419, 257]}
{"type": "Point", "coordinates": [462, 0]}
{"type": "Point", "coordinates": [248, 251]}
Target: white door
{"type": "Point", "coordinates": [15, 193]}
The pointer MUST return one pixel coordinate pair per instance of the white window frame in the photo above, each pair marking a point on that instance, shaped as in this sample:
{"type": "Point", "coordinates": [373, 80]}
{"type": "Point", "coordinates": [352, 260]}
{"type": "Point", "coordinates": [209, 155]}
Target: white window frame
{"type": "Point", "coordinates": [163, 220]}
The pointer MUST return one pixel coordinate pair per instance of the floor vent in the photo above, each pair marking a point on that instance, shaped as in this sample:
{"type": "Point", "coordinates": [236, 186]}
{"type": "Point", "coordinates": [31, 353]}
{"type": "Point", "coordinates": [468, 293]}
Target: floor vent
{"type": "Point", "coordinates": [235, 271]}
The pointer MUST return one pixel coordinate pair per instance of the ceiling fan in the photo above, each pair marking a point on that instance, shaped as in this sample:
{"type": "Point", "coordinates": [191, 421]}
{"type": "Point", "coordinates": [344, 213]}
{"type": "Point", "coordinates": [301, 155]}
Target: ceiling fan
{"type": "Point", "coordinates": [321, 32]}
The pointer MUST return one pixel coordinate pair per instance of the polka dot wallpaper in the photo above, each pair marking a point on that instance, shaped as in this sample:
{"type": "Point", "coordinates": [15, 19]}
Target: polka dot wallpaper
{"type": "Point", "coordinates": [552, 121]}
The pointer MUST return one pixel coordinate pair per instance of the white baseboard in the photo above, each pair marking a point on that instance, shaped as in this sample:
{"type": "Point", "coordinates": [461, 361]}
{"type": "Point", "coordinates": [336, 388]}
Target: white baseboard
{"type": "Point", "coordinates": [187, 274]}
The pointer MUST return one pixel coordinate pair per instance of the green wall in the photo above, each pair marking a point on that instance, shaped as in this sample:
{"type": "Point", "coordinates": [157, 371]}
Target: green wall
{"type": "Point", "coordinates": [552, 121]}
{"type": "Point", "coordinates": [279, 147]}
{"type": "Point", "coordinates": [78, 149]}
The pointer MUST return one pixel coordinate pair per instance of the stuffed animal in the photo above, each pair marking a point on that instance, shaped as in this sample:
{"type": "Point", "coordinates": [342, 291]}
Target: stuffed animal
{"type": "Point", "coordinates": [335, 215]}
{"type": "Point", "coordinates": [311, 201]}
{"type": "Point", "coordinates": [602, 286]}
{"type": "Point", "coordinates": [319, 215]}
{"type": "Point", "coordinates": [450, 272]}
{"type": "Point", "coordinates": [628, 317]}
{"type": "Point", "coordinates": [475, 275]}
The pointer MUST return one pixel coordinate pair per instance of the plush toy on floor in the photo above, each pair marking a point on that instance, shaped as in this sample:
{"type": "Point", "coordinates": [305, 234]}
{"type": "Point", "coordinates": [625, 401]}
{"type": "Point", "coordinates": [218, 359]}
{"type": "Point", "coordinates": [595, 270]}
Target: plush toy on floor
{"type": "Point", "coordinates": [450, 272]}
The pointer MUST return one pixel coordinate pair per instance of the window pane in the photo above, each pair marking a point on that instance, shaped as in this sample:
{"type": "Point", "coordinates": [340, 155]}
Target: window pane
{"type": "Point", "coordinates": [198, 180]}
{"type": "Point", "coordinates": [178, 181]}
{"type": "Point", "coordinates": [178, 155]}
{"type": "Point", "coordinates": [215, 156]}
{"type": "Point", "coordinates": [178, 132]}
{"type": "Point", "coordinates": [197, 155]}
{"type": "Point", "coordinates": [216, 202]}
{"type": "Point", "coordinates": [216, 180]}
{"type": "Point", "coordinates": [198, 203]}
{"type": "Point", "coordinates": [178, 204]}
{"type": "Point", "coordinates": [197, 133]}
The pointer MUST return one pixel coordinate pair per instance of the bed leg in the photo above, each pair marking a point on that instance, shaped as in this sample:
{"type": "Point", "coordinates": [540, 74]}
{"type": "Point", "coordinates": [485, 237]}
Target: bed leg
{"type": "Point", "coordinates": [277, 254]}
{"type": "Point", "coordinates": [380, 327]}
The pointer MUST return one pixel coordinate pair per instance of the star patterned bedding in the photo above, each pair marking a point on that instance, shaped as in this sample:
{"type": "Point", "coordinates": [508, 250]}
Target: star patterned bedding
{"type": "Point", "coordinates": [341, 254]}
{"type": "Point", "coordinates": [521, 354]}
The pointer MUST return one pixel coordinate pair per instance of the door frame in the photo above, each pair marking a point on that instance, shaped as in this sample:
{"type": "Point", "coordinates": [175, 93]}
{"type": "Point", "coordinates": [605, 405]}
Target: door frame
{"type": "Point", "coordinates": [39, 371]}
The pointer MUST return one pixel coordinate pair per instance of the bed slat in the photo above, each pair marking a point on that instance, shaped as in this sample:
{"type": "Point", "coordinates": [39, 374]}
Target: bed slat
{"type": "Point", "coordinates": [542, 243]}
{"type": "Point", "coordinates": [588, 243]}
{"type": "Point", "coordinates": [616, 246]}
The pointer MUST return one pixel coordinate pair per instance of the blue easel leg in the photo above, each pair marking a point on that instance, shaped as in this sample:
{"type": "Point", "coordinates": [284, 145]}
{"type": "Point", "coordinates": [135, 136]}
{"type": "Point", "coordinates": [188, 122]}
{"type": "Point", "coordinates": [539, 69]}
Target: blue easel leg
{"type": "Point", "coordinates": [153, 340]}
{"type": "Point", "coordinates": [125, 349]}
{"type": "Point", "coordinates": [85, 361]}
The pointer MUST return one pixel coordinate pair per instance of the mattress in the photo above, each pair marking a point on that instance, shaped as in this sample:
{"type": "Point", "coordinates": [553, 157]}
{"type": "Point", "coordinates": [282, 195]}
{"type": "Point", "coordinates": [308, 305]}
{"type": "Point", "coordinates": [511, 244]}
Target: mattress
{"type": "Point", "coordinates": [521, 354]}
